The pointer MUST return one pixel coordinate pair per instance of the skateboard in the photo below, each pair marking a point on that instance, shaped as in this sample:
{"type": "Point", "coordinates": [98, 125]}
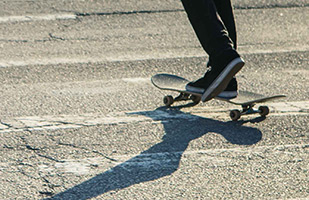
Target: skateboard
{"type": "Point", "coordinates": [247, 100]}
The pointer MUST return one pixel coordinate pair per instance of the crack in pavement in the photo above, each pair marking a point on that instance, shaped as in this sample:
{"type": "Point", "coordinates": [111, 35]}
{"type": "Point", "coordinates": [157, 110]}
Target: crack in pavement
{"type": "Point", "coordinates": [35, 150]}
{"type": "Point", "coordinates": [84, 148]}
{"type": "Point", "coordinates": [85, 14]}
{"type": "Point", "coordinates": [271, 6]}
{"type": "Point", "coordinates": [51, 38]}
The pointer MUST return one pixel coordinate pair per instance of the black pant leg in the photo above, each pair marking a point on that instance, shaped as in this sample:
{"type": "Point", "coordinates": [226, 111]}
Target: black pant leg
{"type": "Point", "coordinates": [225, 10]}
{"type": "Point", "coordinates": [208, 26]}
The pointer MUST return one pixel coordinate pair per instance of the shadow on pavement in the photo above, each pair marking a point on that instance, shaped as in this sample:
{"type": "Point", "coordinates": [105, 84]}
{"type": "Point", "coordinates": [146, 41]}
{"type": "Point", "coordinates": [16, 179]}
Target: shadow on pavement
{"type": "Point", "coordinates": [163, 158]}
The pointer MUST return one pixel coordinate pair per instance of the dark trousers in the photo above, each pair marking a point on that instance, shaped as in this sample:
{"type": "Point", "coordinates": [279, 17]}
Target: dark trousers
{"type": "Point", "coordinates": [213, 23]}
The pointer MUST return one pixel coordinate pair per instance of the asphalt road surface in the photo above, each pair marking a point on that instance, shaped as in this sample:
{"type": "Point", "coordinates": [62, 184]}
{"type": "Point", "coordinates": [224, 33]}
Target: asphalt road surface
{"type": "Point", "coordinates": [79, 118]}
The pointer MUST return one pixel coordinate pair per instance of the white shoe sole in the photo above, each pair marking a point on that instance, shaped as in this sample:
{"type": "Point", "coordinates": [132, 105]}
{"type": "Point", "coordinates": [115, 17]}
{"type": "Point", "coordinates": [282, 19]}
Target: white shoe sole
{"type": "Point", "coordinates": [224, 94]}
{"type": "Point", "coordinates": [228, 94]}
{"type": "Point", "coordinates": [195, 89]}
{"type": "Point", "coordinates": [221, 82]}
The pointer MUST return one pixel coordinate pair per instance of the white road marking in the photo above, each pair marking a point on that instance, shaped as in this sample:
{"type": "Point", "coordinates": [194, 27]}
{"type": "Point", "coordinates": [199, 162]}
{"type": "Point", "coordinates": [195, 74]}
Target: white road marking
{"type": "Point", "coordinates": [6, 19]}
{"type": "Point", "coordinates": [136, 80]}
{"type": "Point", "coordinates": [32, 123]}
{"type": "Point", "coordinates": [217, 157]}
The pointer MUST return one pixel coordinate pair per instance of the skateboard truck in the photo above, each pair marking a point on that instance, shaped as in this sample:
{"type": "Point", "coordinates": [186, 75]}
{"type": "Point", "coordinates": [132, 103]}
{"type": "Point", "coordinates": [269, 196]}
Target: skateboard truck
{"type": "Point", "coordinates": [247, 109]}
{"type": "Point", "coordinates": [169, 100]}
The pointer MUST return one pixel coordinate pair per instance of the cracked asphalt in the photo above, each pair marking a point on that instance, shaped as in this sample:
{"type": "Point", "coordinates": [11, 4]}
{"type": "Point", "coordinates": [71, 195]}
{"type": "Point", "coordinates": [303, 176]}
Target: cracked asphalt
{"type": "Point", "coordinates": [79, 118]}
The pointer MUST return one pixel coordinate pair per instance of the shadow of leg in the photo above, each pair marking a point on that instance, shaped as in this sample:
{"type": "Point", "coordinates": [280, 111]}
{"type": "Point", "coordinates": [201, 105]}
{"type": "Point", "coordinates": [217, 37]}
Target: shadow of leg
{"type": "Point", "coordinates": [163, 158]}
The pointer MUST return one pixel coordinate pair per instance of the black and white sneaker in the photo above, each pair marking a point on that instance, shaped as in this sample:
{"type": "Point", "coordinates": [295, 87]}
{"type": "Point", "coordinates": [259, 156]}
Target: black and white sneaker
{"type": "Point", "coordinates": [218, 77]}
{"type": "Point", "coordinates": [230, 92]}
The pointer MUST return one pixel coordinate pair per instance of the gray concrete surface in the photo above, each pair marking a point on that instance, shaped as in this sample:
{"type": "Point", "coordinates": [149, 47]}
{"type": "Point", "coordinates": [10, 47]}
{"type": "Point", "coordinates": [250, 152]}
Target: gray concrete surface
{"type": "Point", "coordinates": [79, 118]}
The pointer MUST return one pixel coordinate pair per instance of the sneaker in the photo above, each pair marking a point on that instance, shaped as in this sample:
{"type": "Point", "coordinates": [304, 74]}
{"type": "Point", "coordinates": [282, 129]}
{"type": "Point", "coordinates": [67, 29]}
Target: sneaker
{"type": "Point", "coordinates": [230, 92]}
{"type": "Point", "coordinates": [217, 78]}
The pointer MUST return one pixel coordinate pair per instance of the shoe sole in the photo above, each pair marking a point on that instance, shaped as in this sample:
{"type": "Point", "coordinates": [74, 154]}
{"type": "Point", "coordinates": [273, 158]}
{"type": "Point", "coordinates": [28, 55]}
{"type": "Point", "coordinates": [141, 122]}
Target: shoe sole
{"type": "Point", "coordinates": [195, 89]}
{"type": "Point", "coordinates": [221, 82]}
{"type": "Point", "coordinates": [228, 94]}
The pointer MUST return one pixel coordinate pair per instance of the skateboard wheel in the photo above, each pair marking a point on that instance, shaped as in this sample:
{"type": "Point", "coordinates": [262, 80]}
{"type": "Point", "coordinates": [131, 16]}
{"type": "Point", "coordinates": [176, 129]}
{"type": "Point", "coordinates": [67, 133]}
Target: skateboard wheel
{"type": "Point", "coordinates": [235, 115]}
{"type": "Point", "coordinates": [168, 100]}
{"type": "Point", "coordinates": [264, 110]}
{"type": "Point", "coordinates": [195, 99]}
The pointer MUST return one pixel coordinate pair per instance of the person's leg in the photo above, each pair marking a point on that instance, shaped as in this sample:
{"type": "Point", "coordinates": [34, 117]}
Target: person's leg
{"type": "Point", "coordinates": [225, 10]}
{"type": "Point", "coordinates": [214, 38]}
{"type": "Point", "coordinates": [208, 26]}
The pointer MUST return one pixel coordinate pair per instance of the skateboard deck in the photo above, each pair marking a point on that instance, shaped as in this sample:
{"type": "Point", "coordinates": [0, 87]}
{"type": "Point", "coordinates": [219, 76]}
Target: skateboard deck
{"type": "Point", "coordinates": [247, 100]}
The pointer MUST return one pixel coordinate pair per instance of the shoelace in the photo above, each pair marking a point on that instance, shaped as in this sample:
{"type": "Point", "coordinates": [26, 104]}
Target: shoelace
{"type": "Point", "coordinates": [208, 69]}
